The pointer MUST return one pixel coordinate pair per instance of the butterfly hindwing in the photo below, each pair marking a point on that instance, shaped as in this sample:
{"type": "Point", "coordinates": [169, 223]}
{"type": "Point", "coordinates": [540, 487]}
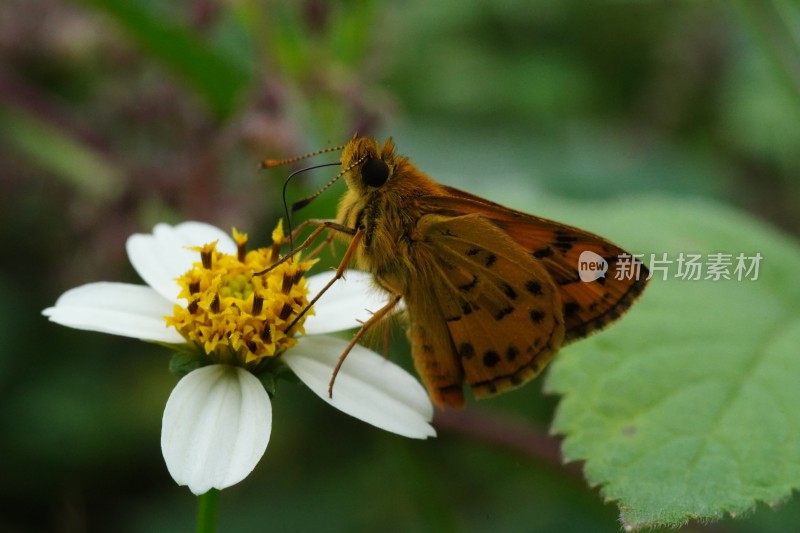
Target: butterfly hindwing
{"type": "Point", "coordinates": [500, 307]}
{"type": "Point", "coordinates": [432, 348]}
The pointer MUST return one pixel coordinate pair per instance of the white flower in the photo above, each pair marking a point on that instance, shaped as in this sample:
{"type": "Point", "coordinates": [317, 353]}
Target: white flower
{"type": "Point", "coordinates": [218, 419]}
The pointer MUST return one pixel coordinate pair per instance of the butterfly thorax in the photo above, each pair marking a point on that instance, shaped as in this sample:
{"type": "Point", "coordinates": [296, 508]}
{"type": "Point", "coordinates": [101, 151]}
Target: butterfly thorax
{"type": "Point", "coordinates": [387, 212]}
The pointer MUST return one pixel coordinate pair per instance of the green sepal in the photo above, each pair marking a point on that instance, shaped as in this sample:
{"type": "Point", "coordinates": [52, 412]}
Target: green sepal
{"type": "Point", "coordinates": [268, 380]}
{"type": "Point", "coordinates": [184, 361]}
{"type": "Point", "coordinates": [272, 372]}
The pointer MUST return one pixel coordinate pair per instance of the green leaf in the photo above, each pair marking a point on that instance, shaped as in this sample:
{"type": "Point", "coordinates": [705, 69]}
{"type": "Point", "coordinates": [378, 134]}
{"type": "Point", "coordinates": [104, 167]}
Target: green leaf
{"type": "Point", "coordinates": [218, 78]}
{"type": "Point", "coordinates": [61, 153]}
{"type": "Point", "coordinates": [688, 409]}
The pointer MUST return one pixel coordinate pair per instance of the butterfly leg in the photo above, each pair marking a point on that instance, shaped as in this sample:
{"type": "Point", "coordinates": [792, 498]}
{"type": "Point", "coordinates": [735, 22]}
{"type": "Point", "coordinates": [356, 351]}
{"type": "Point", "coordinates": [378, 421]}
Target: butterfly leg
{"type": "Point", "coordinates": [359, 233]}
{"type": "Point", "coordinates": [327, 241]}
{"type": "Point", "coordinates": [386, 332]}
{"type": "Point", "coordinates": [322, 226]}
{"type": "Point", "coordinates": [329, 223]}
{"type": "Point", "coordinates": [374, 319]}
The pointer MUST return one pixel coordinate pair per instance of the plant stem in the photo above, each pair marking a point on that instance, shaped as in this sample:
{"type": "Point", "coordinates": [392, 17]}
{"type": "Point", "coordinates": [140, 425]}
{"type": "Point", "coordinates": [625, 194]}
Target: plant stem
{"type": "Point", "coordinates": [207, 506]}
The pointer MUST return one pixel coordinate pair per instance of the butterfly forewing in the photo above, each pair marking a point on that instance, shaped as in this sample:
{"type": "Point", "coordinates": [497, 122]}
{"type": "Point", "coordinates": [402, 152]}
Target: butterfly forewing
{"type": "Point", "coordinates": [587, 306]}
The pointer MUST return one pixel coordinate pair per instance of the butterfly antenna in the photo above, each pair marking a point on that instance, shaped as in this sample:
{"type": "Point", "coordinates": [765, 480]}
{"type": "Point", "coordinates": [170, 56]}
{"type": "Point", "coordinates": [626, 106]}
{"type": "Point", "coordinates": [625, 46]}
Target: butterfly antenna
{"type": "Point", "coordinates": [307, 200]}
{"type": "Point", "coordinates": [300, 204]}
{"type": "Point", "coordinates": [271, 163]}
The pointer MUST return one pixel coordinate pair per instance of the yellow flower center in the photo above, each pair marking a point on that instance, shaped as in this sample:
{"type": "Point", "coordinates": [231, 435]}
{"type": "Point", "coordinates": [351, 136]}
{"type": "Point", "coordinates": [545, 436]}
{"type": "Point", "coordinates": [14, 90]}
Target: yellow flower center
{"type": "Point", "coordinates": [239, 318]}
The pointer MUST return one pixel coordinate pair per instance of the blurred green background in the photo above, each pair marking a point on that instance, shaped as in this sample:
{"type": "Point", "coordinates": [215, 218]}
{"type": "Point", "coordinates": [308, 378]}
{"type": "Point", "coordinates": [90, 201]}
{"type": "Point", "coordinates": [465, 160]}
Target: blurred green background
{"type": "Point", "coordinates": [115, 115]}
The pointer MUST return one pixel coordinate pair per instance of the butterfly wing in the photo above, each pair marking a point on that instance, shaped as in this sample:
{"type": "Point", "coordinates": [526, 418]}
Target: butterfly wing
{"type": "Point", "coordinates": [488, 308]}
{"type": "Point", "coordinates": [432, 349]}
{"type": "Point", "coordinates": [587, 306]}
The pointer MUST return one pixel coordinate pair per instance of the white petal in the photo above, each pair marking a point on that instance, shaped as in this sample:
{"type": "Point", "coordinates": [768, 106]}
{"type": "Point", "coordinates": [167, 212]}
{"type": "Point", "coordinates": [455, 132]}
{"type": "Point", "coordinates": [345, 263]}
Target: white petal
{"type": "Point", "coordinates": [117, 308]}
{"type": "Point", "coordinates": [348, 300]}
{"type": "Point", "coordinates": [162, 256]}
{"type": "Point", "coordinates": [216, 427]}
{"type": "Point", "coordinates": [368, 386]}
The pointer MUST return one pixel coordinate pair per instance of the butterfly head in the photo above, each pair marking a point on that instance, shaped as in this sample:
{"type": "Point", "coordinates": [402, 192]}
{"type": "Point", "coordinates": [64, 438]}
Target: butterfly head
{"type": "Point", "coordinates": [367, 166]}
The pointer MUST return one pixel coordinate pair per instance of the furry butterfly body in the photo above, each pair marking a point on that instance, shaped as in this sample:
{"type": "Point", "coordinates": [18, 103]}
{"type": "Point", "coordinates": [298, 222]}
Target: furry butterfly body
{"type": "Point", "coordinates": [491, 293]}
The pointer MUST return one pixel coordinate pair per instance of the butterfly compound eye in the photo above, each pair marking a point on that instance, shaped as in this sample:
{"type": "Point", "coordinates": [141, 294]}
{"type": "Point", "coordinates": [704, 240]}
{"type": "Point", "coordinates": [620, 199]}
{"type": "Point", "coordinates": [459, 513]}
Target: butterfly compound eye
{"type": "Point", "coordinates": [375, 172]}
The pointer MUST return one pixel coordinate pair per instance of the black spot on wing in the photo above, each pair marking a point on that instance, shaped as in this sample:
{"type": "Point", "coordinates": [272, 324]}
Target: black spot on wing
{"type": "Point", "coordinates": [503, 312]}
{"type": "Point", "coordinates": [570, 281]}
{"type": "Point", "coordinates": [511, 353]}
{"type": "Point", "coordinates": [466, 350]}
{"type": "Point", "coordinates": [571, 309]}
{"type": "Point", "coordinates": [563, 246]}
{"type": "Point", "coordinates": [509, 291]}
{"type": "Point", "coordinates": [490, 359]}
{"type": "Point", "coordinates": [562, 236]}
{"type": "Point", "coordinates": [537, 316]}
{"type": "Point", "coordinates": [534, 287]}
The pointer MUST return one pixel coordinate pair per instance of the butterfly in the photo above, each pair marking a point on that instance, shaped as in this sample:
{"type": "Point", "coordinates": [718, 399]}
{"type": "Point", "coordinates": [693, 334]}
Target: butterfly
{"type": "Point", "coordinates": [491, 293]}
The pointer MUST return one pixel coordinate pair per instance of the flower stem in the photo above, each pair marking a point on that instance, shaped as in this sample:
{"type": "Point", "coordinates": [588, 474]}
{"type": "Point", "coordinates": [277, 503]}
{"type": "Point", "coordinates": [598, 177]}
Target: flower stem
{"type": "Point", "coordinates": [207, 505]}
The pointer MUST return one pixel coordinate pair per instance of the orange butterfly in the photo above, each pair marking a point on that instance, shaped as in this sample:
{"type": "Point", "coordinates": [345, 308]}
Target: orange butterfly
{"type": "Point", "coordinates": [491, 293]}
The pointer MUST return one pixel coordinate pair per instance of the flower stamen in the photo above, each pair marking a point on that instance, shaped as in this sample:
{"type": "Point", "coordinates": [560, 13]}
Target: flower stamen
{"type": "Point", "coordinates": [288, 281]}
{"type": "Point", "coordinates": [241, 244]}
{"type": "Point", "coordinates": [236, 317]}
{"type": "Point", "coordinates": [206, 254]}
